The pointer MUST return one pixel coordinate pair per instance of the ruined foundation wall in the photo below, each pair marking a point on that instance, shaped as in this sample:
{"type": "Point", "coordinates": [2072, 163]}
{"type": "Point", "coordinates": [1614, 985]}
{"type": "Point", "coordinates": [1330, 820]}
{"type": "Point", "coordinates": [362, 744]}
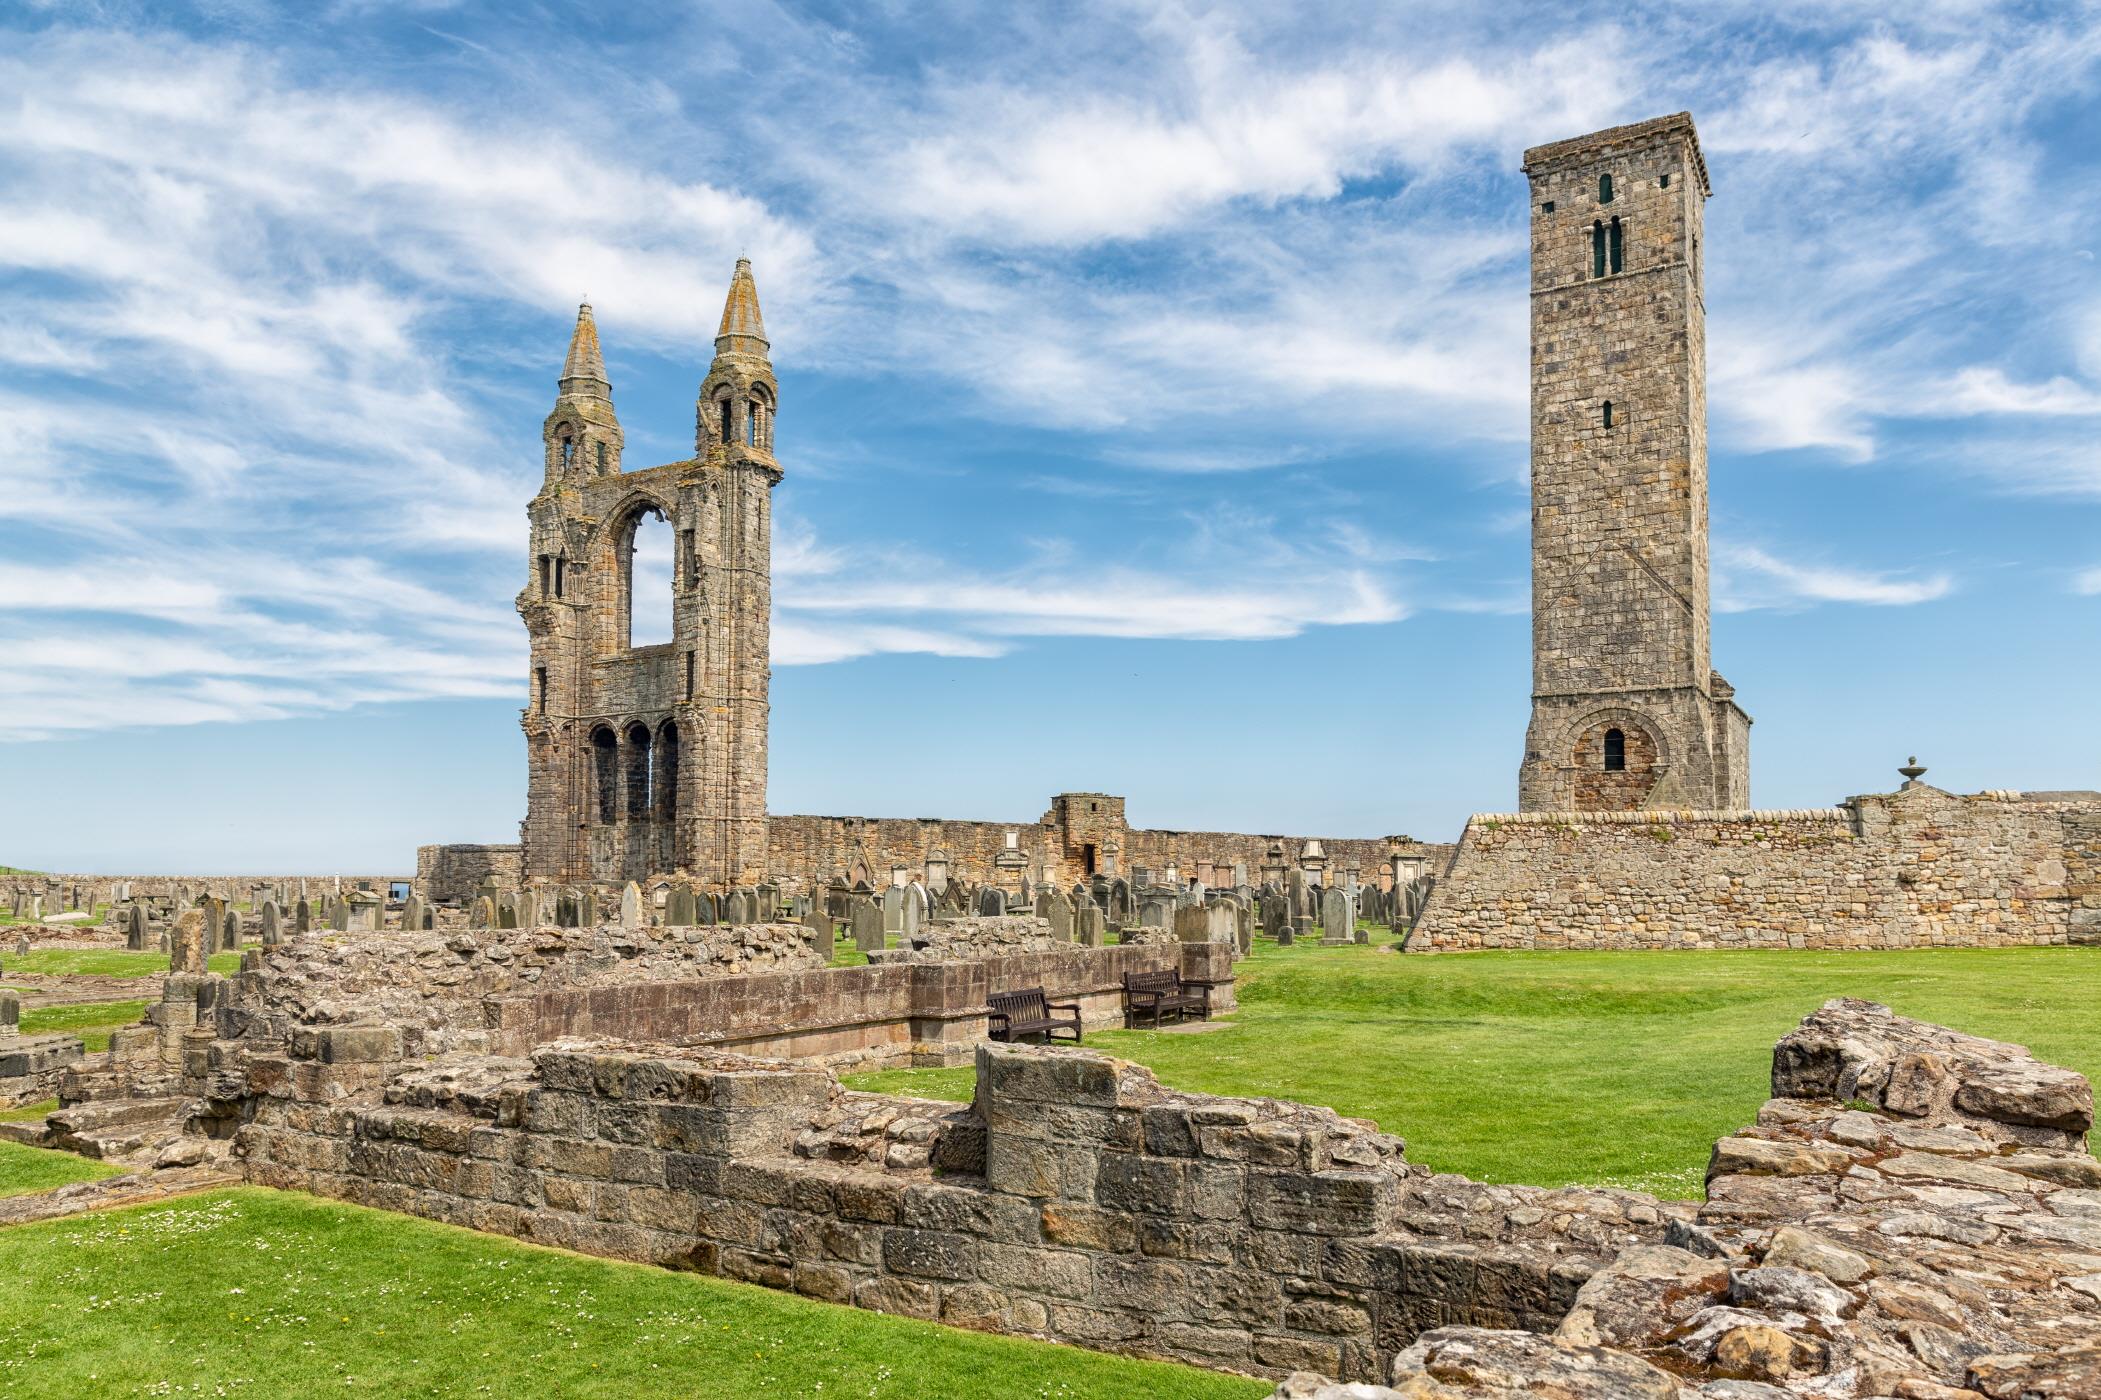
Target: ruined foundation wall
{"type": "Point", "coordinates": [1917, 868]}
{"type": "Point", "coordinates": [456, 872]}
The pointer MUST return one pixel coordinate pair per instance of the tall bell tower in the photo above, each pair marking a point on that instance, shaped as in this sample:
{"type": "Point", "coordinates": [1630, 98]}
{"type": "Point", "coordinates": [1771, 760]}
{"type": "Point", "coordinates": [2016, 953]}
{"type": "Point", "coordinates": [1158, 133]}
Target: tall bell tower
{"type": "Point", "coordinates": [1627, 712]}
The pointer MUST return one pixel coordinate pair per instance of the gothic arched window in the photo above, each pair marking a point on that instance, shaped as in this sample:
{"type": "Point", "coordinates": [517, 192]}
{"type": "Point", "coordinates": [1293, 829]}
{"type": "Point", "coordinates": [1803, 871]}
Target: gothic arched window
{"type": "Point", "coordinates": [1597, 248]}
{"type": "Point", "coordinates": [1604, 189]}
{"type": "Point", "coordinates": [1615, 751]}
{"type": "Point", "coordinates": [568, 449]}
{"type": "Point", "coordinates": [1618, 245]}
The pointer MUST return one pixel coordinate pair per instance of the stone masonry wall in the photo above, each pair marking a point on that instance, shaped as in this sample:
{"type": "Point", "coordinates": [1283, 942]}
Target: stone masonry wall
{"type": "Point", "coordinates": [455, 872]}
{"type": "Point", "coordinates": [1917, 868]}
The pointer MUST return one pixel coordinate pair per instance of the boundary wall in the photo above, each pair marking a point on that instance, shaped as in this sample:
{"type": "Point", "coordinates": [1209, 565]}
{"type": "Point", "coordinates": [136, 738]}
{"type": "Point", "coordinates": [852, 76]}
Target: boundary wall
{"type": "Point", "coordinates": [1915, 868]}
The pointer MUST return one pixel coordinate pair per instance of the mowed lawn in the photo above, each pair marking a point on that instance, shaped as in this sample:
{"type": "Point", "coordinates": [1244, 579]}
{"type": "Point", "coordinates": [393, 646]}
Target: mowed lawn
{"type": "Point", "coordinates": [261, 1293]}
{"type": "Point", "coordinates": [1550, 1068]}
{"type": "Point", "coordinates": [102, 962]}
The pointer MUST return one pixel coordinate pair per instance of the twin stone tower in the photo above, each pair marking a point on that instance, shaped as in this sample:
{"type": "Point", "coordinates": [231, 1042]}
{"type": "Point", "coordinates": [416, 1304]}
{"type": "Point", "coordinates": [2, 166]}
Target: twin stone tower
{"type": "Point", "coordinates": [651, 759]}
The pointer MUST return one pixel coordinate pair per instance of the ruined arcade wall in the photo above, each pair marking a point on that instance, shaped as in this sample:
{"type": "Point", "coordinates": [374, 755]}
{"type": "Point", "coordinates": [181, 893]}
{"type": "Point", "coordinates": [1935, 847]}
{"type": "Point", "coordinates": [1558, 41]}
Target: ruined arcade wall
{"type": "Point", "coordinates": [1917, 868]}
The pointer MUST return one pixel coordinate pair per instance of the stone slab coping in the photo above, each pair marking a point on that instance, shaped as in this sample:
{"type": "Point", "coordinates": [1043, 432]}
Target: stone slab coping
{"type": "Point", "coordinates": [1663, 816]}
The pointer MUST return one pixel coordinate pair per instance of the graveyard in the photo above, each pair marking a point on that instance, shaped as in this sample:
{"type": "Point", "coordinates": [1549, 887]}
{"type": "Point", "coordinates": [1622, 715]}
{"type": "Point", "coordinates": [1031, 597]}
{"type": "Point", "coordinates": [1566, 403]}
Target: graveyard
{"type": "Point", "coordinates": [1637, 1090]}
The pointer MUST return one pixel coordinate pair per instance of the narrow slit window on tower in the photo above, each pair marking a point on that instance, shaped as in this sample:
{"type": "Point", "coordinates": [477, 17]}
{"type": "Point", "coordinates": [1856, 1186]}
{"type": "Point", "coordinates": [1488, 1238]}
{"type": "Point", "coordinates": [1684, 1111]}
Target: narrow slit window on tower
{"type": "Point", "coordinates": [1663, 182]}
{"type": "Point", "coordinates": [1608, 413]}
{"type": "Point", "coordinates": [1597, 248]}
{"type": "Point", "coordinates": [1615, 751]}
{"type": "Point", "coordinates": [1618, 245]}
{"type": "Point", "coordinates": [724, 406]}
{"type": "Point", "coordinates": [689, 675]}
{"type": "Point", "coordinates": [540, 688]}
{"type": "Point", "coordinates": [601, 456]}
{"type": "Point", "coordinates": [751, 424]}
{"type": "Point", "coordinates": [546, 576]}
{"type": "Point", "coordinates": [560, 570]}
{"type": "Point", "coordinates": [1604, 189]}
{"type": "Point", "coordinates": [568, 449]}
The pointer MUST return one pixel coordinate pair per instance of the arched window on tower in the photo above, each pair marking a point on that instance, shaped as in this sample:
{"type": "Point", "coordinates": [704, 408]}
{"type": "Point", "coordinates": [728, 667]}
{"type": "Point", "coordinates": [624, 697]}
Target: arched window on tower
{"type": "Point", "coordinates": [751, 423]}
{"type": "Point", "coordinates": [605, 772]}
{"type": "Point", "coordinates": [1604, 189]}
{"type": "Point", "coordinates": [1618, 246]}
{"type": "Point", "coordinates": [1615, 751]}
{"type": "Point", "coordinates": [601, 459]}
{"type": "Point", "coordinates": [568, 449]}
{"type": "Point", "coordinates": [646, 586]}
{"type": "Point", "coordinates": [722, 413]}
{"type": "Point", "coordinates": [638, 803]}
{"type": "Point", "coordinates": [1597, 248]}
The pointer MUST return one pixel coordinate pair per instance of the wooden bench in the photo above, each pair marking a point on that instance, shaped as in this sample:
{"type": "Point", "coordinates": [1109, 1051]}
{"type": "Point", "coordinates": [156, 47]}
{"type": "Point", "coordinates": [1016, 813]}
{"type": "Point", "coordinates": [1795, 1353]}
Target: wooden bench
{"type": "Point", "coordinates": [1159, 993]}
{"type": "Point", "coordinates": [1030, 1012]}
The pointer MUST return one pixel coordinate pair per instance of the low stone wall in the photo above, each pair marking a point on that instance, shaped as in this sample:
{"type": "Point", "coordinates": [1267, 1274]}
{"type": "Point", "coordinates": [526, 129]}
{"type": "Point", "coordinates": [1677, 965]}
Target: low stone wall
{"type": "Point", "coordinates": [888, 1015]}
{"type": "Point", "coordinates": [1917, 868]}
{"type": "Point", "coordinates": [106, 889]}
{"type": "Point", "coordinates": [455, 872]}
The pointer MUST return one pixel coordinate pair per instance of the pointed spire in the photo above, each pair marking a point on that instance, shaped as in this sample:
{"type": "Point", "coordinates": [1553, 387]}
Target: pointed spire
{"type": "Point", "coordinates": [583, 373]}
{"type": "Point", "coordinates": [743, 330]}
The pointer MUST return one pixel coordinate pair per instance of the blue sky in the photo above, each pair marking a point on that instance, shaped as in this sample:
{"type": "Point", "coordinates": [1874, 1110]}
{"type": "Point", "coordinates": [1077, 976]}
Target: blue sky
{"type": "Point", "coordinates": [1153, 395]}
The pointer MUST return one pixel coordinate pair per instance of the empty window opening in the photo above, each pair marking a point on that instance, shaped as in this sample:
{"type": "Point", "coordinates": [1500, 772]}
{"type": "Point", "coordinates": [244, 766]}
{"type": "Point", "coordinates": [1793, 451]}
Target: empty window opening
{"type": "Point", "coordinates": [1615, 751]}
{"type": "Point", "coordinates": [1087, 857]}
{"type": "Point", "coordinates": [561, 583]}
{"type": "Point", "coordinates": [1604, 189]}
{"type": "Point", "coordinates": [1663, 182]}
{"type": "Point", "coordinates": [568, 450]}
{"type": "Point", "coordinates": [689, 675]}
{"type": "Point", "coordinates": [638, 803]}
{"type": "Point", "coordinates": [1547, 208]}
{"type": "Point", "coordinates": [722, 408]}
{"type": "Point", "coordinates": [540, 688]}
{"type": "Point", "coordinates": [546, 576]}
{"type": "Point", "coordinates": [1608, 413]}
{"type": "Point", "coordinates": [605, 771]}
{"type": "Point", "coordinates": [1597, 248]}
{"type": "Point", "coordinates": [751, 424]}
{"type": "Point", "coordinates": [648, 593]}
{"type": "Point", "coordinates": [663, 790]}
{"type": "Point", "coordinates": [688, 565]}
{"type": "Point", "coordinates": [1618, 246]}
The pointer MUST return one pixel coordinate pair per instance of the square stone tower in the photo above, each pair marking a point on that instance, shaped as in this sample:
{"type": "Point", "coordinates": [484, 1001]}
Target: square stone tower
{"type": "Point", "coordinates": [1627, 712]}
{"type": "Point", "coordinates": [652, 759]}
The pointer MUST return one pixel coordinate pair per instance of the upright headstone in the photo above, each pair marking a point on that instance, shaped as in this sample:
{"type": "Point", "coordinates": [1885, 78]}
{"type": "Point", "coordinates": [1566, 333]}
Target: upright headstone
{"type": "Point", "coordinates": [1060, 915]}
{"type": "Point", "coordinates": [273, 928]}
{"type": "Point", "coordinates": [339, 914]}
{"type": "Point", "coordinates": [680, 909]}
{"type": "Point", "coordinates": [411, 914]}
{"type": "Point", "coordinates": [867, 925]}
{"type": "Point", "coordinates": [135, 928]}
{"type": "Point", "coordinates": [1192, 923]}
{"type": "Point", "coordinates": [302, 916]}
{"type": "Point", "coordinates": [631, 907]}
{"type": "Point", "coordinates": [10, 1013]}
{"type": "Point", "coordinates": [819, 926]}
{"type": "Point", "coordinates": [587, 910]}
{"type": "Point", "coordinates": [894, 908]}
{"type": "Point", "coordinates": [186, 943]}
{"type": "Point", "coordinates": [481, 914]}
{"type": "Point", "coordinates": [992, 902]}
{"type": "Point", "coordinates": [1156, 911]}
{"type": "Point", "coordinates": [705, 909]}
{"type": "Point", "coordinates": [507, 909]}
{"type": "Point", "coordinates": [1338, 916]}
{"type": "Point", "coordinates": [915, 914]}
{"type": "Point", "coordinates": [1087, 925]}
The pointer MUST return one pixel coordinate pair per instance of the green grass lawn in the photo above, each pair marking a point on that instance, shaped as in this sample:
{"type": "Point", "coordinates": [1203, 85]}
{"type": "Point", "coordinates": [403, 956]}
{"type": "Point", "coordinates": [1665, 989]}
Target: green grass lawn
{"type": "Point", "coordinates": [1550, 1068]}
{"type": "Point", "coordinates": [92, 1021]}
{"type": "Point", "coordinates": [27, 1169]}
{"type": "Point", "coordinates": [251, 1292]}
{"type": "Point", "coordinates": [103, 962]}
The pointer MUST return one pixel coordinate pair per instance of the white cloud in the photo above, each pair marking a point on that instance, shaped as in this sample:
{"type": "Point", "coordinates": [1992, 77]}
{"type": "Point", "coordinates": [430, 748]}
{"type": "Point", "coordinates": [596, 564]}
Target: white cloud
{"type": "Point", "coordinates": [2088, 583]}
{"type": "Point", "coordinates": [1986, 389]}
{"type": "Point", "coordinates": [1750, 578]}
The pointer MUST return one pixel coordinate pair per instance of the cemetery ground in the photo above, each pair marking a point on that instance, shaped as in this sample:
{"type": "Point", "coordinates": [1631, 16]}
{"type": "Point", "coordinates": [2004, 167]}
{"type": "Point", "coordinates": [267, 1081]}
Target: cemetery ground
{"type": "Point", "coordinates": [1615, 1069]}
{"type": "Point", "coordinates": [253, 1292]}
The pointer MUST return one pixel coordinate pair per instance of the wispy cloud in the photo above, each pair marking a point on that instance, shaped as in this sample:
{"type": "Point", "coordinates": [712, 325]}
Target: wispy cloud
{"type": "Point", "coordinates": [1749, 577]}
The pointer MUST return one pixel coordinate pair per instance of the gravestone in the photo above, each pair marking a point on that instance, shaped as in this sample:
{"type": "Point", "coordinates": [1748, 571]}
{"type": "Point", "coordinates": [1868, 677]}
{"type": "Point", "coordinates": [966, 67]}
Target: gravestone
{"type": "Point", "coordinates": [186, 943]}
{"type": "Point", "coordinates": [819, 925]}
{"type": "Point", "coordinates": [867, 925]}
{"type": "Point", "coordinates": [680, 910]}
{"type": "Point", "coordinates": [302, 916]}
{"type": "Point", "coordinates": [915, 914]}
{"type": "Point", "coordinates": [765, 902]}
{"type": "Point", "coordinates": [10, 1013]}
{"type": "Point", "coordinates": [481, 914]}
{"type": "Point", "coordinates": [705, 909]}
{"type": "Point", "coordinates": [1192, 923]}
{"type": "Point", "coordinates": [412, 914]}
{"type": "Point", "coordinates": [587, 910]}
{"type": "Point", "coordinates": [135, 928]}
{"type": "Point", "coordinates": [741, 907]}
{"type": "Point", "coordinates": [339, 914]}
{"type": "Point", "coordinates": [36, 908]}
{"type": "Point", "coordinates": [507, 909]}
{"type": "Point", "coordinates": [631, 907]}
{"type": "Point", "coordinates": [894, 910]}
{"type": "Point", "coordinates": [992, 902]}
{"type": "Point", "coordinates": [1060, 915]}
{"type": "Point", "coordinates": [273, 926]}
{"type": "Point", "coordinates": [1156, 911]}
{"type": "Point", "coordinates": [1338, 917]}
{"type": "Point", "coordinates": [1087, 925]}
{"type": "Point", "coordinates": [565, 909]}
{"type": "Point", "coordinates": [1286, 936]}
{"type": "Point", "coordinates": [1117, 912]}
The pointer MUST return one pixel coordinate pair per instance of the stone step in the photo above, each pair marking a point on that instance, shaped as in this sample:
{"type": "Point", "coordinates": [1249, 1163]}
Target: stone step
{"type": "Point", "coordinates": [117, 1127]}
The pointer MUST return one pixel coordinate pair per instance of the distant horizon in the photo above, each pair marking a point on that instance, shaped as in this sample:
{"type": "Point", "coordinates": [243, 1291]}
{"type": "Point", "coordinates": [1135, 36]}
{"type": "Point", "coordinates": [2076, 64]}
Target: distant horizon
{"type": "Point", "coordinates": [1153, 400]}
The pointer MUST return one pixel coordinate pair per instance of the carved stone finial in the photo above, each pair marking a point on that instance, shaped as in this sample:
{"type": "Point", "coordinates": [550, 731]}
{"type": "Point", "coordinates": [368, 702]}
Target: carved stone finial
{"type": "Point", "coordinates": [1912, 771]}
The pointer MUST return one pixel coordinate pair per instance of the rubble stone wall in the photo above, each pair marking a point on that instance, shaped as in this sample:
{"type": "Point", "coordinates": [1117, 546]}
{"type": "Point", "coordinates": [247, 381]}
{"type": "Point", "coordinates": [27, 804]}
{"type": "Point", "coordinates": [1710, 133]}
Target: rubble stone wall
{"type": "Point", "coordinates": [1916, 868]}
